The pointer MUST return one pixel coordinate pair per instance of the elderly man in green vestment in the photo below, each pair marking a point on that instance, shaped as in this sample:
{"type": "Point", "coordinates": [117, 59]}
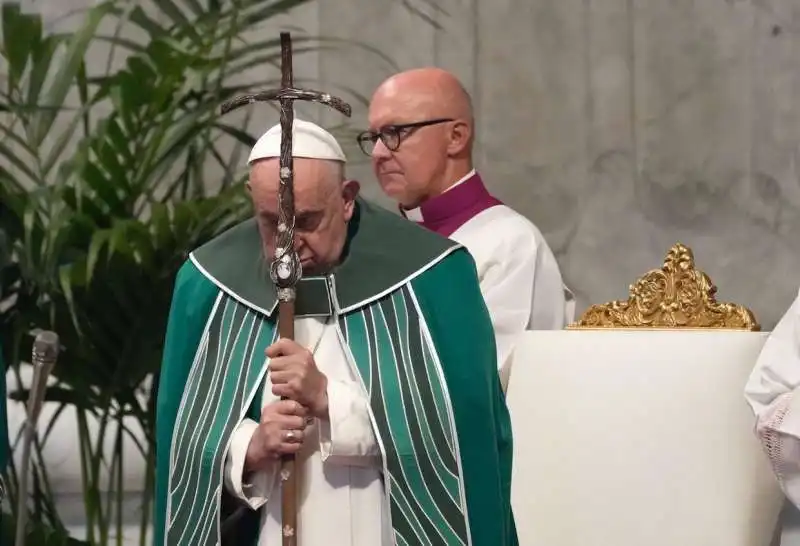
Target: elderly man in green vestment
{"type": "Point", "coordinates": [388, 395]}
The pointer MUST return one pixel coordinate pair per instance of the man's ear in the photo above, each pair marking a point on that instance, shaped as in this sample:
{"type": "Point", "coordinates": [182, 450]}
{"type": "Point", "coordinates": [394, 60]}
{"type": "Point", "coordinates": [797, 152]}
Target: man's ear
{"type": "Point", "coordinates": [460, 136]}
{"type": "Point", "coordinates": [350, 189]}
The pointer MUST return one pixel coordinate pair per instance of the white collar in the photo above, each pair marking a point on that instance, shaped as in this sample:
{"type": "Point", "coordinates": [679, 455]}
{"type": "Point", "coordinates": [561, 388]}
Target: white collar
{"type": "Point", "coordinates": [415, 214]}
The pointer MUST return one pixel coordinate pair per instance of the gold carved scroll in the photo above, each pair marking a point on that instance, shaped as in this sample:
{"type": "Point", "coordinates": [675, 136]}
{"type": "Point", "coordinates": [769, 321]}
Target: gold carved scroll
{"type": "Point", "coordinates": [676, 296]}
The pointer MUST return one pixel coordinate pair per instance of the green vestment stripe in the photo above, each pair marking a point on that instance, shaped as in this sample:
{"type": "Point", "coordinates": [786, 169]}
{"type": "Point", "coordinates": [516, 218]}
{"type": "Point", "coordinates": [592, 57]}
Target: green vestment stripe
{"type": "Point", "coordinates": [429, 400]}
{"type": "Point", "coordinates": [393, 358]}
{"type": "Point", "coordinates": [228, 369]}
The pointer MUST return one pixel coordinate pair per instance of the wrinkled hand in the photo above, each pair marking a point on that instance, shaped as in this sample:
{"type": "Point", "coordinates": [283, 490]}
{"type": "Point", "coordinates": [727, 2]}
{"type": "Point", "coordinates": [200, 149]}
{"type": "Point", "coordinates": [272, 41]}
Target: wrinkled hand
{"type": "Point", "coordinates": [295, 376]}
{"type": "Point", "coordinates": [281, 431]}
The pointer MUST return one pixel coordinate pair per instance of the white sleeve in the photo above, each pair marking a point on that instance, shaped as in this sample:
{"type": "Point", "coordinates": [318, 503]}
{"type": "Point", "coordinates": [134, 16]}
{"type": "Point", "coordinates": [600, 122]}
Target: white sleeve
{"type": "Point", "coordinates": [507, 289]}
{"type": "Point", "coordinates": [256, 490]}
{"type": "Point", "coordinates": [553, 305]}
{"type": "Point", "coordinates": [347, 437]}
{"type": "Point", "coordinates": [523, 290]}
{"type": "Point", "coordinates": [773, 392]}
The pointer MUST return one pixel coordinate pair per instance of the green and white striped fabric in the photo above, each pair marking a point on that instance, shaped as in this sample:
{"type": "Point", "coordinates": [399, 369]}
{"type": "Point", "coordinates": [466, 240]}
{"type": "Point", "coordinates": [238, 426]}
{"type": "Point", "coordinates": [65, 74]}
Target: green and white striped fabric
{"type": "Point", "coordinates": [395, 358]}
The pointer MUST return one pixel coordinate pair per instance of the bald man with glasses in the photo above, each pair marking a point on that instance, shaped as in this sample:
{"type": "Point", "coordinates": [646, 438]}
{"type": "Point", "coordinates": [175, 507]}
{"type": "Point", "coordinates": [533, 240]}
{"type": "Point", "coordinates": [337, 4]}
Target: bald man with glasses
{"type": "Point", "coordinates": [420, 139]}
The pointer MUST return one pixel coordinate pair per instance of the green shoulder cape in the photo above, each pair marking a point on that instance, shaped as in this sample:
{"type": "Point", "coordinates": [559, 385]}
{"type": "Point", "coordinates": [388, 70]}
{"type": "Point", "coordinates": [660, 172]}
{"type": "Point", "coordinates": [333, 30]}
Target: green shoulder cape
{"type": "Point", "coordinates": [410, 314]}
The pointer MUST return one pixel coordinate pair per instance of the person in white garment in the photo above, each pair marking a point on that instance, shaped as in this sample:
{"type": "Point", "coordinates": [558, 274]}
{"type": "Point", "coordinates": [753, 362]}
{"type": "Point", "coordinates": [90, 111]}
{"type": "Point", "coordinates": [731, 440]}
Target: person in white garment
{"type": "Point", "coordinates": [420, 138]}
{"type": "Point", "coordinates": [773, 393]}
{"type": "Point", "coordinates": [387, 395]}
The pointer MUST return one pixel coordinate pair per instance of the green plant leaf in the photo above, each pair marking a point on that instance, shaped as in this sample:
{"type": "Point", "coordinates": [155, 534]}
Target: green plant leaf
{"type": "Point", "coordinates": [51, 160]}
{"type": "Point", "coordinates": [8, 154]}
{"type": "Point", "coordinates": [99, 242]}
{"type": "Point", "coordinates": [21, 32]}
{"type": "Point", "coordinates": [63, 79]}
{"type": "Point", "coordinates": [128, 44]}
{"type": "Point", "coordinates": [143, 21]}
{"type": "Point", "coordinates": [42, 58]}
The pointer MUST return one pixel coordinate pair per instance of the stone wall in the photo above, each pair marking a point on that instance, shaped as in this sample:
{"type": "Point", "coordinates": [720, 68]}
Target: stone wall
{"type": "Point", "coordinates": [619, 127]}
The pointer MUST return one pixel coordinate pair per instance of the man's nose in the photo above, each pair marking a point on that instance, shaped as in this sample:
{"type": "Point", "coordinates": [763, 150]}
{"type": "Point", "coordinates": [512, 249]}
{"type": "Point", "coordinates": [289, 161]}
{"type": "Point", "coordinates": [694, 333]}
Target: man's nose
{"type": "Point", "coordinates": [380, 151]}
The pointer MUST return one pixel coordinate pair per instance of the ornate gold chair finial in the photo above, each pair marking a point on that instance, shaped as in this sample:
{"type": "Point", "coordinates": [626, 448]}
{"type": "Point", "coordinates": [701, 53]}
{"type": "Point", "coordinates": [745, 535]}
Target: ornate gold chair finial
{"type": "Point", "coordinates": [675, 296]}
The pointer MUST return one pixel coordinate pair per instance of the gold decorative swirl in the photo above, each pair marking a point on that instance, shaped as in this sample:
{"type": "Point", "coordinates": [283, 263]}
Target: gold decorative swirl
{"type": "Point", "coordinates": [675, 296]}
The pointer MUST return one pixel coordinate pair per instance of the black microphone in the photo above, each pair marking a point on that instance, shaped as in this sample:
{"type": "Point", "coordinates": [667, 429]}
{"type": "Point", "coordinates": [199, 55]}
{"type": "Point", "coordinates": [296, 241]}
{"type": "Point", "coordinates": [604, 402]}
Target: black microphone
{"type": "Point", "coordinates": [45, 353]}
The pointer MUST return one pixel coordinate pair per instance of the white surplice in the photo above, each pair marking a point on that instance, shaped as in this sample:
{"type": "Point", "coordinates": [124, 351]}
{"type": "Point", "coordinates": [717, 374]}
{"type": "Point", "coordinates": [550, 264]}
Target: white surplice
{"type": "Point", "coordinates": [773, 392]}
{"type": "Point", "coordinates": [341, 495]}
{"type": "Point", "coordinates": [519, 275]}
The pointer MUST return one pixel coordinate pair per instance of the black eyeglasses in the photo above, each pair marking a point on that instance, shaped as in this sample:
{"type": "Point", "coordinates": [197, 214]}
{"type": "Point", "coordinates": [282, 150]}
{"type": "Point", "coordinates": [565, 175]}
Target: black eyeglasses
{"type": "Point", "coordinates": [392, 135]}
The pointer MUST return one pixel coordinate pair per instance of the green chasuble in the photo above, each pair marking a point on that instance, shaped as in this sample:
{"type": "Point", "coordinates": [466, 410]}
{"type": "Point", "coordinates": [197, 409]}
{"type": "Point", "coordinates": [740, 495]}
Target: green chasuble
{"type": "Point", "coordinates": [411, 318]}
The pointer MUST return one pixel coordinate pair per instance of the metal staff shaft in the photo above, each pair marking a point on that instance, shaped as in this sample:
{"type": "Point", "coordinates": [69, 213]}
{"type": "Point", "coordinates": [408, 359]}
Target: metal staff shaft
{"type": "Point", "coordinates": [286, 270]}
{"type": "Point", "coordinates": [287, 286]}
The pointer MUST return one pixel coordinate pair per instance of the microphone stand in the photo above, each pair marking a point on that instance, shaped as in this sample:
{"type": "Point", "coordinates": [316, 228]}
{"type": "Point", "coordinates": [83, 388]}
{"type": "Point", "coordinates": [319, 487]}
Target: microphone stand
{"type": "Point", "coordinates": [45, 352]}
